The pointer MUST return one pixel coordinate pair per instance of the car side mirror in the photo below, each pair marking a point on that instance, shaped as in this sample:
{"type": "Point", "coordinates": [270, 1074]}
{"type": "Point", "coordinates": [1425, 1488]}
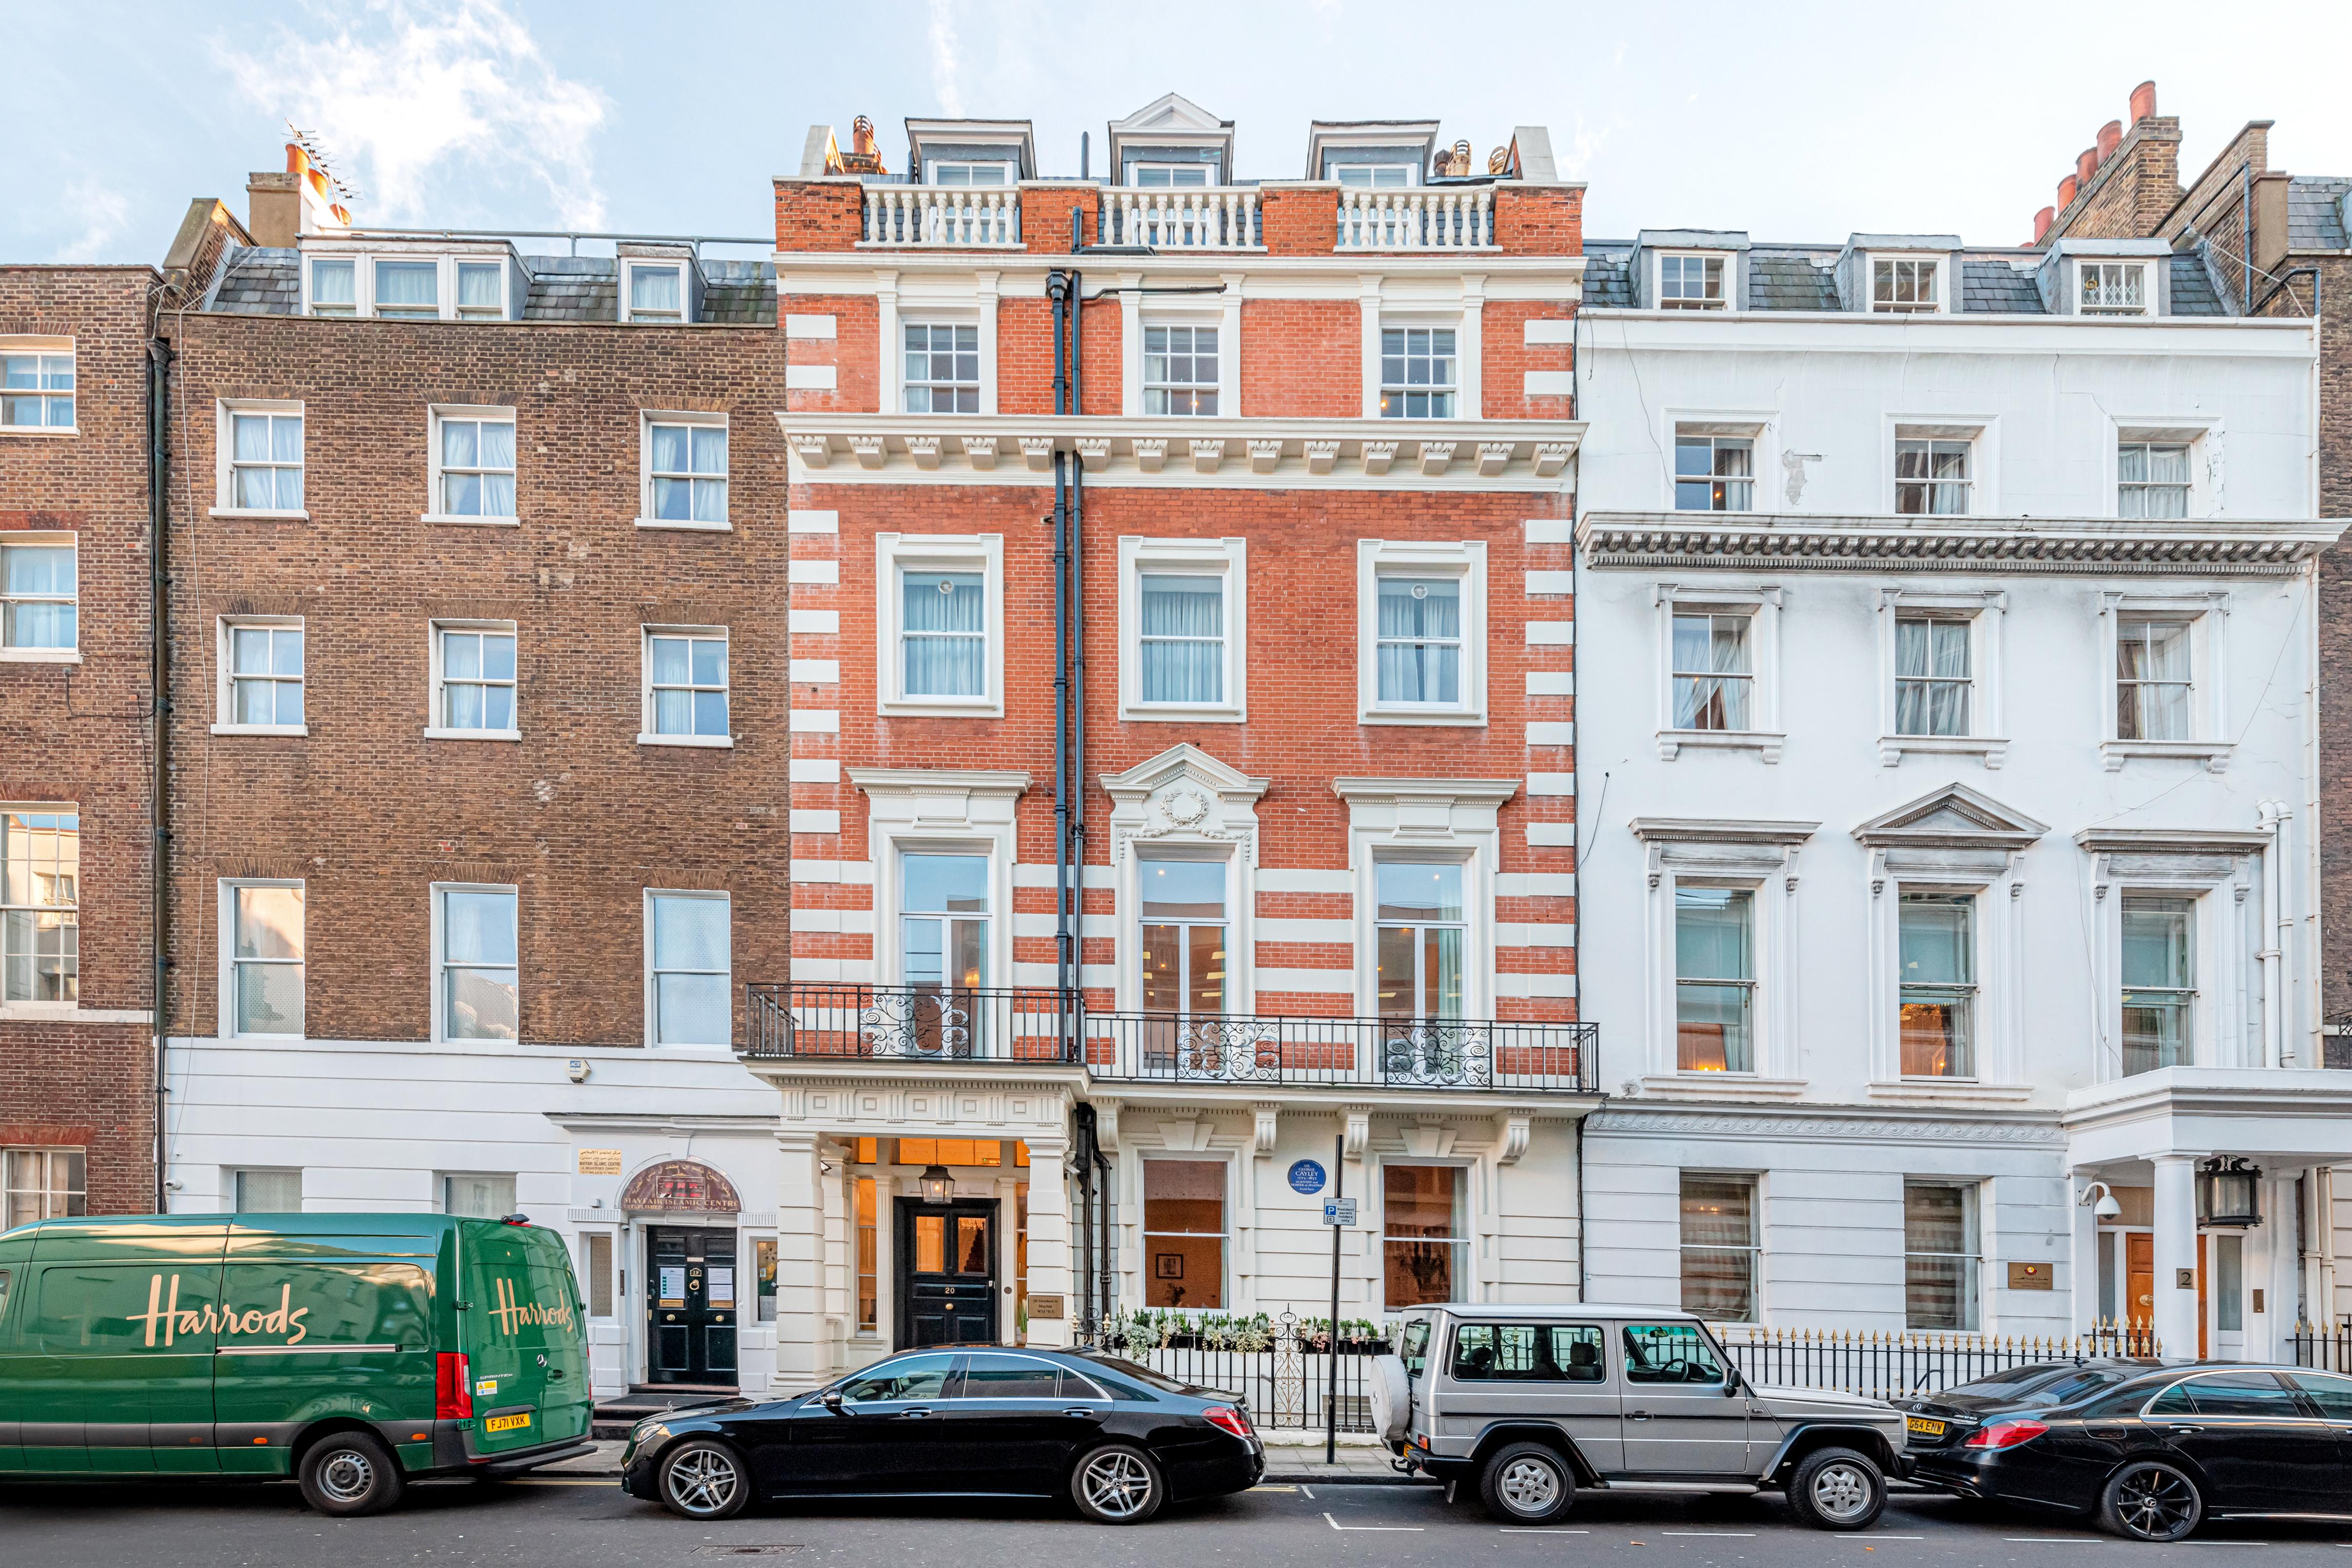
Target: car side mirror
{"type": "Point", "coordinates": [1731, 1385]}
{"type": "Point", "coordinates": [830, 1399]}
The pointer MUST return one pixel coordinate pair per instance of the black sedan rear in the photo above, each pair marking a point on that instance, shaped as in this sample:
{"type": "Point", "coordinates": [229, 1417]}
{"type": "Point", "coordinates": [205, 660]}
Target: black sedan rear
{"type": "Point", "coordinates": [1118, 1440]}
{"type": "Point", "coordinates": [2149, 1452]}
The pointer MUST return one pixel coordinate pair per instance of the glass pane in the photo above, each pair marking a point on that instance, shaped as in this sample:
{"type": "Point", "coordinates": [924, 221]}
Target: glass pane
{"type": "Point", "coordinates": [1711, 1028]}
{"type": "Point", "coordinates": [462, 708]}
{"type": "Point", "coordinates": [654, 288]}
{"type": "Point", "coordinates": [499, 657]}
{"type": "Point", "coordinates": [331, 282]}
{"type": "Point", "coordinates": [912, 1377]}
{"type": "Point", "coordinates": [1678, 1353]}
{"type": "Point", "coordinates": [710, 713]}
{"type": "Point", "coordinates": [670, 448]}
{"type": "Point", "coordinates": [691, 1009]}
{"type": "Point", "coordinates": [1936, 1219]}
{"type": "Point", "coordinates": [2156, 934]}
{"type": "Point", "coordinates": [670, 661]}
{"type": "Point", "coordinates": [481, 1004]}
{"type": "Point", "coordinates": [1182, 890]}
{"type": "Point", "coordinates": [1711, 933]}
{"type": "Point", "coordinates": [690, 933]}
{"type": "Point", "coordinates": [461, 443]}
{"type": "Point", "coordinates": [268, 1192]}
{"type": "Point", "coordinates": [709, 449]}
{"type": "Point", "coordinates": [250, 433]}
{"type": "Point", "coordinates": [39, 568]}
{"type": "Point", "coordinates": [406, 283]}
{"type": "Point", "coordinates": [945, 883]}
{"type": "Point", "coordinates": [477, 285]}
{"type": "Point", "coordinates": [270, 998]}
{"type": "Point", "coordinates": [1421, 1201]}
{"type": "Point", "coordinates": [477, 927]}
{"type": "Point", "coordinates": [269, 922]}
{"type": "Point", "coordinates": [710, 662]}
{"type": "Point", "coordinates": [1718, 1211]}
{"type": "Point", "coordinates": [1934, 939]}
{"type": "Point", "coordinates": [1418, 890]}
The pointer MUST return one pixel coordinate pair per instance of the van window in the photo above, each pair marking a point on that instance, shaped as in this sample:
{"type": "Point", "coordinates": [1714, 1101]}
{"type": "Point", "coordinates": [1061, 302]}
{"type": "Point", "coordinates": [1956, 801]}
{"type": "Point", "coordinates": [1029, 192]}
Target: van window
{"type": "Point", "coordinates": [1669, 1352]}
{"type": "Point", "coordinates": [1415, 1354]}
{"type": "Point", "coordinates": [1528, 1353]}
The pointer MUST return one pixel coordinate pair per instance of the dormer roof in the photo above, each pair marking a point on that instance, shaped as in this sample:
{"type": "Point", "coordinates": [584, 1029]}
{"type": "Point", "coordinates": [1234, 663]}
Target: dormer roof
{"type": "Point", "coordinates": [1013, 139]}
{"type": "Point", "coordinates": [1418, 136]}
{"type": "Point", "coordinates": [1170, 120]}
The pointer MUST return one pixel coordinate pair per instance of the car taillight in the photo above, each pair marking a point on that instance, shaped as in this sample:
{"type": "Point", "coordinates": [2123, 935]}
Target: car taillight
{"type": "Point", "coordinates": [1225, 1419]}
{"type": "Point", "coordinates": [2004, 1435]}
{"type": "Point", "coordinates": [453, 1388]}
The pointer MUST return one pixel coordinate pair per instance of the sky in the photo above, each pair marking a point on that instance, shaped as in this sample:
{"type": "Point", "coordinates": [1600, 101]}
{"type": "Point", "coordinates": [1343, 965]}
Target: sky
{"type": "Point", "coordinates": [1790, 120]}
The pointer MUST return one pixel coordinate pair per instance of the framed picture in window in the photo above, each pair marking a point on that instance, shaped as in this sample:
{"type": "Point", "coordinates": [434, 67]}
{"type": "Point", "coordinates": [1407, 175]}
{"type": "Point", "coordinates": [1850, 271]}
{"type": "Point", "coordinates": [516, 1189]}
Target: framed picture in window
{"type": "Point", "coordinates": [1168, 1265]}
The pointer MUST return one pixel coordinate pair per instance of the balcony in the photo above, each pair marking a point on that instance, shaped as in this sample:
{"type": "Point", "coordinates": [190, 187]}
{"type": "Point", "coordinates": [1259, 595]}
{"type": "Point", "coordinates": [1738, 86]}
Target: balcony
{"type": "Point", "coordinates": [825, 1024]}
{"type": "Point", "coordinates": [1193, 218]}
{"type": "Point", "coordinates": [1425, 218]}
{"type": "Point", "coordinates": [943, 217]}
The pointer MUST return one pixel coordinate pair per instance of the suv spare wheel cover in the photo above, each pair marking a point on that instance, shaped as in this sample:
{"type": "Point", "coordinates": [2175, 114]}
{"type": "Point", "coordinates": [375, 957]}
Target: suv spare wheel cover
{"type": "Point", "coordinates": [1391, 1395]}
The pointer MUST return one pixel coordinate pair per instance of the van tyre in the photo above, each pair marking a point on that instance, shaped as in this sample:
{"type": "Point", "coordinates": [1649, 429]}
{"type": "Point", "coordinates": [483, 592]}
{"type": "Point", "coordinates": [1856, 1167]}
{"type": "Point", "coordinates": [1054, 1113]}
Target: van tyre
{"type": "Point", "coordinates": [1526, 1483]}
{"type": "Point", "coordinates": [1117, 1484]}
{"type": "Point", "coordinates": [703, 1478]}
{"type": "Point", "coordinates": [1837, 1488]}
{"type": "Point", "coordinates": [2150, 1501]}
{"type": "Point", "coordinates": [350, 1473]}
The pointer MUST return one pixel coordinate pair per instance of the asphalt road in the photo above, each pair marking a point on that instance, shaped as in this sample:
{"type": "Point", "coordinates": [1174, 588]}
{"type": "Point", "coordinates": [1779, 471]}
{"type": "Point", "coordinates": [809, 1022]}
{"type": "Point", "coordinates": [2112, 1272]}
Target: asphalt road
{"type": "Point", "coordinates": [589, 1525]}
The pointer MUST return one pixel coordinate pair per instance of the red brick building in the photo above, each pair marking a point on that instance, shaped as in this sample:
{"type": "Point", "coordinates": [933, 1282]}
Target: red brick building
{"type": "Point", "coordinates": [1181, 773]}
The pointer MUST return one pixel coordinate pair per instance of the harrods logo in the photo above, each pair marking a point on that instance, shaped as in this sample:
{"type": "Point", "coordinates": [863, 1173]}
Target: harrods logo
{"type": "Point", "coordinates": [512, 1312]}
{"type": "Point", "coordinates": [221, 1319]}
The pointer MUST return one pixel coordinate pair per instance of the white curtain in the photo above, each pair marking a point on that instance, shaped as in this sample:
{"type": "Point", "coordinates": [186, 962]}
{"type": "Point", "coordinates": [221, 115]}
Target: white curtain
{"type": "Point", "coordinates": [946, 633]}
{"type": "Point", "coordinates": [1420, 641]}
{"type": "Point", "coordinates": [1184, 639]}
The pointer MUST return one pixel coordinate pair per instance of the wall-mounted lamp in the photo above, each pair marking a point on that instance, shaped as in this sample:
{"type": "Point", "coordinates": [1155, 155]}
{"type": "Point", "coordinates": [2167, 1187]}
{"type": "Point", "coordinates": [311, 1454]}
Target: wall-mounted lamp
{"type": "Point", "coordinates": [2107, 1208]}
{"type": "Point", "coordinates": [935, 1184]}
{"type": "Point", "coordinates": [2228, 1192]}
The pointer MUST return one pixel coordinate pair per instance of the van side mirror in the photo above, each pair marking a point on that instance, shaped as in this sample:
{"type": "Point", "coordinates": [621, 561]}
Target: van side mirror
{"type": "Point", "coordinates": [1730, 1383]}
{"type": "Point", "coordinates": [830, 1399]}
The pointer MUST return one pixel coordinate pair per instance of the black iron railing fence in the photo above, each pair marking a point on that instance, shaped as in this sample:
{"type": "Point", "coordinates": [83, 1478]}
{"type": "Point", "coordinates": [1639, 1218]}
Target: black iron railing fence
{"type": "Point", "coordinates": [1282, 1368]}
{"type": "Point", "coordinates": [949, 1024]}
{"type": "Point", "coordinates": [2322, 1347]}
{"type": "Point", "coordinates": [1897, 1366]}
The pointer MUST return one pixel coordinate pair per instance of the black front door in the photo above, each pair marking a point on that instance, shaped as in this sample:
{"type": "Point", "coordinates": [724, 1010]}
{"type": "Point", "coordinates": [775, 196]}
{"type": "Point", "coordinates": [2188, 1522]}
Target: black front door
{"type": "Point", "coordinates": [689, 1305]}
{"type": "Point", "coordinates": [947, 1273]}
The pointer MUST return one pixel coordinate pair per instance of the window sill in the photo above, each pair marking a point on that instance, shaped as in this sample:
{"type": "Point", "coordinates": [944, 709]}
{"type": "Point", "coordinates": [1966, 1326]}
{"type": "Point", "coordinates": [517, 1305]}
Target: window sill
{"type": "Point", "coordinates": [1892, 747]}
{"type": "Point", "coordinates": [1765, 743]}
{"type": "Point", "coordinates": [45, 430]}
{"type": "Point", "coordinates": [673, 525]}
{"type": "Point", "coordinates": [720, 742]}
{"type": "Point", "coordinates": [2213, 754]}
{"type": "Point", "coordinates": [1181, 712]}
{"type": "Point", "coordinates": [40, 655]}
{"type": "Point", "coordinates": [940, 710]}
{"type": "Point", "coordinates": [1721, 1086]}
{"type": "Point", "coordinates": [432, 734]}
{"type": "Point", "coordinates": [1950, 1090]}
{"type": "Point", "coordinates": [1458, 717]}
{"type": "Point", "coordinates": [293, 729]}
{"type": "Point", "coordinates": [471, 522]}
{"type": "Point", "coordinates": [259, 516]}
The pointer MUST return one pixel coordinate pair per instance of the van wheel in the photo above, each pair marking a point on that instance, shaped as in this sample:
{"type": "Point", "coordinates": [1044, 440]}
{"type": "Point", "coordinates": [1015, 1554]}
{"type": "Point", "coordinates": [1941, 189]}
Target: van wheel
{"type": "Point", "coordinates": [1837, 1488]}
{"type": "Point", "coordinates": [349, 1473]}
{"type": "Point", "coordinates": [1526, 1483]}
{"type": "Point", "coordinates": [704, 1478]}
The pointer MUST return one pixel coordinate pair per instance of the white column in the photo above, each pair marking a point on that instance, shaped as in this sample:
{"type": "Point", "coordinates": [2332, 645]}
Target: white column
{"type": "Point", "coordinates": [1470, 367]}
{"type": "Point", "coordinates": [2086, 1257]}
{"type": "Point", "coordinates": [1130, 344]}
{"type": "Point", "coordinates": [885, 325]}
{"type": "Point", "coordinates": [1049, 1237]}
{"type": "Point", "coordinates": [1229, 348]}
{"type": "Point", "coordinates": [2176, 1254]}
{"type": "Point", "coordinates": [1369, 287]}
{"type": "Point", "coordinates": [985, 289]}
{"type": "Point", "coordinates": [800, 1260]}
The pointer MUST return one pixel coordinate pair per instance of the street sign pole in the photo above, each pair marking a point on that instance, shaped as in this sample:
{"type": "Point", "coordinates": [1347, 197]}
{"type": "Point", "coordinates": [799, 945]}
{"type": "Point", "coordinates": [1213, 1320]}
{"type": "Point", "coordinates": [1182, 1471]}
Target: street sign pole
{"type": "Point", "coordinates": [1331, 1377]}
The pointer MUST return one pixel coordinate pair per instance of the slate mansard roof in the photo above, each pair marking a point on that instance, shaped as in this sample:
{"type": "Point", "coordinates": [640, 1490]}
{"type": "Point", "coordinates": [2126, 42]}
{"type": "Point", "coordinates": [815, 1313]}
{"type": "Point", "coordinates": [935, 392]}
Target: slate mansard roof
{"type": "Point", "coordinates": [2314, 213]}
{"type": "Point", "coordinates": [258, 281]}
{"type": "Point", "coordinates": [1804, 277]}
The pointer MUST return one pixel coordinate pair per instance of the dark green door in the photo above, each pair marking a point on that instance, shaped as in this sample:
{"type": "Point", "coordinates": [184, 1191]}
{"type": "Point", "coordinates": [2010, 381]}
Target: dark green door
{"type": "Point", "coordinates": [690, 1292]}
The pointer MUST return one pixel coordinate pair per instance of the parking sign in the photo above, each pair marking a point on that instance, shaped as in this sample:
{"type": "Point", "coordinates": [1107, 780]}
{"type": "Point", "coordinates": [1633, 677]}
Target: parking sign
{"type": "Point", "coordinates": [1339, 1211]}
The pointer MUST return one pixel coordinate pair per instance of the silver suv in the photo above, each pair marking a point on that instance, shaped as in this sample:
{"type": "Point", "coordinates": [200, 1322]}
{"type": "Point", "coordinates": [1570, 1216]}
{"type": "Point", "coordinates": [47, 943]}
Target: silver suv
{"type": "Point", "coordinates": [1530, 1403]}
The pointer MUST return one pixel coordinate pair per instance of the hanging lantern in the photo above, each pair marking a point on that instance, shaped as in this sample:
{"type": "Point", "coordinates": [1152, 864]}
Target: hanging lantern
{"type": "Point", "coordinates": [2227, 1192]}
{"type": "Point", "coordinates": [936, 1185]}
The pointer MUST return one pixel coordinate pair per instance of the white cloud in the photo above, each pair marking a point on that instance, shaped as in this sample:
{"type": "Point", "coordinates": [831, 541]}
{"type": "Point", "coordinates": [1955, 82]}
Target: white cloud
{"type": "Point", "coordinates": [944, 59]}
{"type": "Point", "coordinates": [102, 212]}
{"type": "Point", "coordinates": [416, 90]}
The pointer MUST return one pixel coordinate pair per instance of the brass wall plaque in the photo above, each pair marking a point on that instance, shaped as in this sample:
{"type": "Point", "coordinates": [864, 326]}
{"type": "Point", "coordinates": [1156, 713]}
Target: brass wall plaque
{"type": "Point", "coordinates": [1045, 1309]}
{"type": "Point", "coordinates": [2031, 1277]}
{"type": "Point", "coordinates": [600, 1162]}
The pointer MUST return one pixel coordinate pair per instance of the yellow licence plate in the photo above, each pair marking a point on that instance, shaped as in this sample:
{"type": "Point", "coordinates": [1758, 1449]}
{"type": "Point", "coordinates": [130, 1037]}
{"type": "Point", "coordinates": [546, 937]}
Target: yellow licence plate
{"type": "Point", "coordinates": [507, 1423]}
{"type": "Point", "coordinates": [1924, 1427]}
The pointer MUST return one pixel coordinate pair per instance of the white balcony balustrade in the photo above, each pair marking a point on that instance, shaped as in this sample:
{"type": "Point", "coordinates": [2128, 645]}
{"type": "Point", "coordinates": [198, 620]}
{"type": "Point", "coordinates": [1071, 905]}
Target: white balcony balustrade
{"type": "Point", "coordinates": [1196, 218]}
{"type": "Point", "coordinates": [1428, 218]}
{"type": "Point", "coordinates": [950, 217]}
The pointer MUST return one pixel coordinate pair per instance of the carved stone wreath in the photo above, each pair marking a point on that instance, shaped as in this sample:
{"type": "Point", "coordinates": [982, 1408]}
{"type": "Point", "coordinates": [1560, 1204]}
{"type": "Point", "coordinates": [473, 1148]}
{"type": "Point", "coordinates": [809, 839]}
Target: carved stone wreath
{"type": "Point", "coordinates": [1184, 807]}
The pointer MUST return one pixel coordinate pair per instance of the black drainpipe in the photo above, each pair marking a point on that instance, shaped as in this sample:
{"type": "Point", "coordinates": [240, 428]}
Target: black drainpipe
{"type": "Point", "coordinates": [1082, 1150]}
{"type": "Point", "coordinates": [159, 585]}
{"type": "Point", "coordinates": [1058, 289]}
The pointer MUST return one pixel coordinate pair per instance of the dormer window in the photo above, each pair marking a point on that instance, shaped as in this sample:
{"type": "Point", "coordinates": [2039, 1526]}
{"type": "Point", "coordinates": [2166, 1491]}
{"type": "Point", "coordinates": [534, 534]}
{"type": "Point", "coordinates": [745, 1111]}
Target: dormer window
{"type": "Point", "coordinates": [657, 291]}
{"type": "Point", "coordinates": [1903, 284]}
{"type": "Point", "coordinates": [1690, 283]}
{"type": "Point", "coordinates": [1373, 176]}
{"type": "Point", "coordinates": [481, 291]}
{"type": "Point", "coordinates": [1148, 175]}
{"type": "Point", "coordinates": [406, 286]}
{"type": "Point", "coordinates": [408, 289]}
{"type": "Point", "coordinates": [334, 287]}
{"type": "Point", "coordinates": [962, 172]}
{"type": "Point", "coordinates": [2113, 288]}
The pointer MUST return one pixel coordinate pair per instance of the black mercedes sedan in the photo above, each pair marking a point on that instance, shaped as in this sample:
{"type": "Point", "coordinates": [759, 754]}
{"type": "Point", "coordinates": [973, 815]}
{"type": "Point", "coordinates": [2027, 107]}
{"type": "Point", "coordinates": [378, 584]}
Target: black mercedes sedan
{"type": "Point", "coordinates": [1118, 1440]}
{"type": "Point", "coordinates": [2150, 1451]}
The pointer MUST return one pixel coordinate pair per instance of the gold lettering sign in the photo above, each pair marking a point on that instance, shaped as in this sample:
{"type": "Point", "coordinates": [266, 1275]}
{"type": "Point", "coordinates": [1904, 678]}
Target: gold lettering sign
{"type": "Point", "coordinates": [1045, 1309]}
{"type": "Point", "coordinates": [600, 1162]}
{"type": "Point", "coordinates": [2030, 1277]}
{"type": "Point", "coordinates": [512, 1312]}
{"type": "Point", "coordinates": [224, 1319]}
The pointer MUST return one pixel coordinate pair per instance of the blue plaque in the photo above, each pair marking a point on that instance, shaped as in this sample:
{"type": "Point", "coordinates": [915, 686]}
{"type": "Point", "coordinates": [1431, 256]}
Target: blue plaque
{"type": "Point", "coordinates": [1307, 1177]}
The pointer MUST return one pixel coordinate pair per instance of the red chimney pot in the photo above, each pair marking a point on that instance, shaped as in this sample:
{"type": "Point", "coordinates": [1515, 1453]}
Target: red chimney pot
{"type": "Point", "coordinates": [2065, 193]}
{"type": "Point", "coordinates": [2042, 221]}
{"type": "Point", "coordinates": [2109, 134]}
{"type": "Point", "coordinates": [2142, 102]}
{"type": "Point", "coordinates": [2087, 163]}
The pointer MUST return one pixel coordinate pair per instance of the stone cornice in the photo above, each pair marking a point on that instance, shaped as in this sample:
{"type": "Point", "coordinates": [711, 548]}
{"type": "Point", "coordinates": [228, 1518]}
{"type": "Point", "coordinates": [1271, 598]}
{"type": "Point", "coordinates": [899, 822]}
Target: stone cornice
{"type": "Point", "coordinates": [1807, 1124]}
{"type": "Point", "coordinates": [2102, 547]}
{"type": "Point", "coordinates": [1255, 453]}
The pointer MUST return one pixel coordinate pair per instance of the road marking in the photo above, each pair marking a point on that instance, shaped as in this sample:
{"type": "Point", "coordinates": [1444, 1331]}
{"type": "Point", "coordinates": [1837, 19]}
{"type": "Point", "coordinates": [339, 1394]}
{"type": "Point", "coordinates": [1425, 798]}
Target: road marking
{"type": "Point", "coordinates": [1736, 1534]}
{"type": "Point", "coordinates": [1391, 1528]}
{"type": "Point", "coordinates": [1276, 1486]}
{"type": "Point", "coordinates": [2055, 1539]}
{"type": "Point", "coordinates": [1307, 1491]}
{"type": "Point", "coordinates": [1520, 1530]}
{"type": "Point", "coordinates": [1886, 1537]}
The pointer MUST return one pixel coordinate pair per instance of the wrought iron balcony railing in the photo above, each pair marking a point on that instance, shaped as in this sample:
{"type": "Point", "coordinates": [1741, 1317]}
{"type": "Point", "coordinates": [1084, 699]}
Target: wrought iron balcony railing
{"type": "Point", "coordinates": [822, 1022]}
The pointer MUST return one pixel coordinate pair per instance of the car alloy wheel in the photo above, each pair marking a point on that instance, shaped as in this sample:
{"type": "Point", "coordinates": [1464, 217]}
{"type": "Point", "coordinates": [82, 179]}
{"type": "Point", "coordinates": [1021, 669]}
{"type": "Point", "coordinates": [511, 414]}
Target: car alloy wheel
{"type": "Point", "coordinates": [1526, 1483]}
{"type": "Point", "coordinates": [2152, 1503]}
{"type": "Point", "coordinates": [704, 1480]}
{"type": "Point", "coordinates": [1117, 1487]}
{"type": "Point", "coordinates": [1839, 1490]}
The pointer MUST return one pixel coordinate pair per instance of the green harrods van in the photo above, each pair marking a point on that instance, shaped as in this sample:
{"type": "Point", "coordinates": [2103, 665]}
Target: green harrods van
{"type": "Point", "coordinates": [353, 1350]}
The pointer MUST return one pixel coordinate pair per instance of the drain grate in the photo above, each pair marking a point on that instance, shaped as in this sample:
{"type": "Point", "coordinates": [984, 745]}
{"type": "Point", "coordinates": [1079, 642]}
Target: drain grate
{"type": "Point", "coordinates": [745, 1550]}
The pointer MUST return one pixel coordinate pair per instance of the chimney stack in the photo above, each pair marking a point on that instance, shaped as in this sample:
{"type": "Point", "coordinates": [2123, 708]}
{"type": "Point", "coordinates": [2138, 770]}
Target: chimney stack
{"type": "Point", "coordinates": [2142, 102]}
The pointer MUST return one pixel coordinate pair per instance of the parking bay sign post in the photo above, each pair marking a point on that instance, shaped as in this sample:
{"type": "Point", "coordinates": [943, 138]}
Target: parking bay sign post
{"type": "Point", "coordinates": [1337, 1212]}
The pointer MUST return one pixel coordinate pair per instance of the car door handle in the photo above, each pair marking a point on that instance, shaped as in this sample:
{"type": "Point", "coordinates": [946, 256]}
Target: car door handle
{"type": "Point", "coordinates": [1637, 1415]}
{"type": "Point", "coordinates": [911, 1415]}
{"type": "Point", "coordinates": [1083, 1413]}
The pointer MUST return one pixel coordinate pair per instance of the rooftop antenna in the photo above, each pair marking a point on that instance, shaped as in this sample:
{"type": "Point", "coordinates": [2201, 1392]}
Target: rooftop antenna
{"type": "Point", "coordinates": [322, 161]}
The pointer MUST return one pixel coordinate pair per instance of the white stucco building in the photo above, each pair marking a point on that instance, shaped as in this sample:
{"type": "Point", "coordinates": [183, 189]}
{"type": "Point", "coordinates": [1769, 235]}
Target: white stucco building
{"type": "Point", "coordinates": [1946, 720]}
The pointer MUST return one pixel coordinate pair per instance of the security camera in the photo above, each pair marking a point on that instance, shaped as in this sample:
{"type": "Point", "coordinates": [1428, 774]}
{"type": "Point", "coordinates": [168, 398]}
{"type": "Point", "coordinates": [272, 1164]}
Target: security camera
{"type": "Point", "coordinates": [576, 1070]}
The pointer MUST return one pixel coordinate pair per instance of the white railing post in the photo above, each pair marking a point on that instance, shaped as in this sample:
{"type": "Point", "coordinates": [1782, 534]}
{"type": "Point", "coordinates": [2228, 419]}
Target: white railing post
{"type": "Point", "coordinates": [1426, 218]}
{"type": "Point", "coordinates": [944, 217]}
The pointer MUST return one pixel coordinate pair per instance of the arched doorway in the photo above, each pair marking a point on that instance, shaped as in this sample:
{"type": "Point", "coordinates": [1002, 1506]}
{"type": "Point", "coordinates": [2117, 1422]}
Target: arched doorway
{"type": "Point", "coordinates": [692, 1283]}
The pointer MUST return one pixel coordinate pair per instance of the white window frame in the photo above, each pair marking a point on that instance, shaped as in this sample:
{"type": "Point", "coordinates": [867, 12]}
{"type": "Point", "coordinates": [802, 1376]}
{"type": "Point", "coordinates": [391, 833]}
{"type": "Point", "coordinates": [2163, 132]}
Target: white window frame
{"type": "Point", "coordinates": [1756, 1247]}
{"type": "Point", "coordinates": [488, 414]}
{"type": "Point", "coordinates": [233, 1180]}
{"type": "Point", "coordinates": [933, 168]}
{"type": "Point", "coordinates": [44, 539]}
{"type": "Point", "coordinates": [1198, 322]}
{"type": "Point", "coordinates": [1983, 438]}
{"type": "Point", "coordinates": [463, 312]}
{"type": "Point", "coordinates": [1471, 1282]}
{"type": "Point", "coordinates": [1371, 171]}
{"type": "Point", "coordinates": [226, 920]}
{"type": "Point", "coordinates": [631, 267]}
{"type": "Point", "coordinates": [433, 729]}
{"type": "Point", "coordinates": [1462, 388]}
{"type": "Point", "coordinates": [441, 1180]}
{"type": "Point", "coordinates": [357, 262]}
{"type": "Point", "coordinates": [363, 264]}
{"type": "Point", "coordinates": [1760, 858]}
{"type": "Point", "coordinates": [2209, 714]}
{"type": "Point", "coordinates": [645, 733]}
{"type": "Point", "coordinates": [1725, 267]}
{"type": "Point", "coordinates": [225, 676]}
{"type": "Point", "coordinates": [49, 1009]}
{"type": "Point", "coordinates": [1943, 284]}
{"type": "Point", "coordinates": [1230, 1282]}
{"type": "Point", "coordinates": [1138, 311]}
{"type": "Point", "coordinates": [1713, 432]}
{"type": "Point", "coordinates": [443, 285]}
{"type": "Point", "coordinates": [441, 1035]}
{"type": "Point", "coordinates": [1763, 605]}
{"type": "Point", "coordinates": [984, 392]}
{"type": "Point", "coordinates": [1222, 557]}
{"type": "Point", "coordinates": [1464, 559]}
{"type": "Point", "coordinates": [2217, 879]}
{"type": "Point", "coordinates": [45, 1182]}
{"type": "Point", "coordinates": [14, 343]}
{"type": "Point", "coordinates": [225, 451]}
{"type": "Point", "coordinates": [926, 810]}
{"type": "Point", "coordinates": [1144, 165]}
{"type": "Point", "coordinates": [897, 553]}
{"type": "Point", "coordinates": [653, 976]}
{"type": "Point", "coordinates": [1972, 1208]}
{"type": "Point", "coordinates": [2202, 436]}
{"type": "Point", "coordinates": [1431, 820]}
{"type": "Point", "coordinates": [646, 420]}
{"type": "Point", "coordinates": [2082, 266]}
{"type": "Point", "coordinates": [1987, 615]}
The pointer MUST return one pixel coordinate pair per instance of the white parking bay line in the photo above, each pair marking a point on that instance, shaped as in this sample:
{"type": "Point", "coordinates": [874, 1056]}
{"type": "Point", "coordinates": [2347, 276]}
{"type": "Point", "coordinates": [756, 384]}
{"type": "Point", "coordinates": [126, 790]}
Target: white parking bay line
{"type": "Point", "coordinates": [1733, 1534]}
{"type": "Point", "coordinates": [1516, 1530]}
{"type": "Point", "coordinates": [1403, 1529]}
{"type": "Point", "coordinates": [2055, 1539]}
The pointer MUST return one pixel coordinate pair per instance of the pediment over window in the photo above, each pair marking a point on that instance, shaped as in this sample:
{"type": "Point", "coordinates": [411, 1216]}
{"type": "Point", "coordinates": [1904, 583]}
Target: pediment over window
{"type": "Point", "coordinates": [1186, 796]}
{"type": "Point", "coordinates": [1955, 817]}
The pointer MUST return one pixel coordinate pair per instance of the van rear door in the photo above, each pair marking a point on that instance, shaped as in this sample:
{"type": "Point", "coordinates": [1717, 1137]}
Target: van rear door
{"type": "Point", "coordinates": [526, 1338]}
